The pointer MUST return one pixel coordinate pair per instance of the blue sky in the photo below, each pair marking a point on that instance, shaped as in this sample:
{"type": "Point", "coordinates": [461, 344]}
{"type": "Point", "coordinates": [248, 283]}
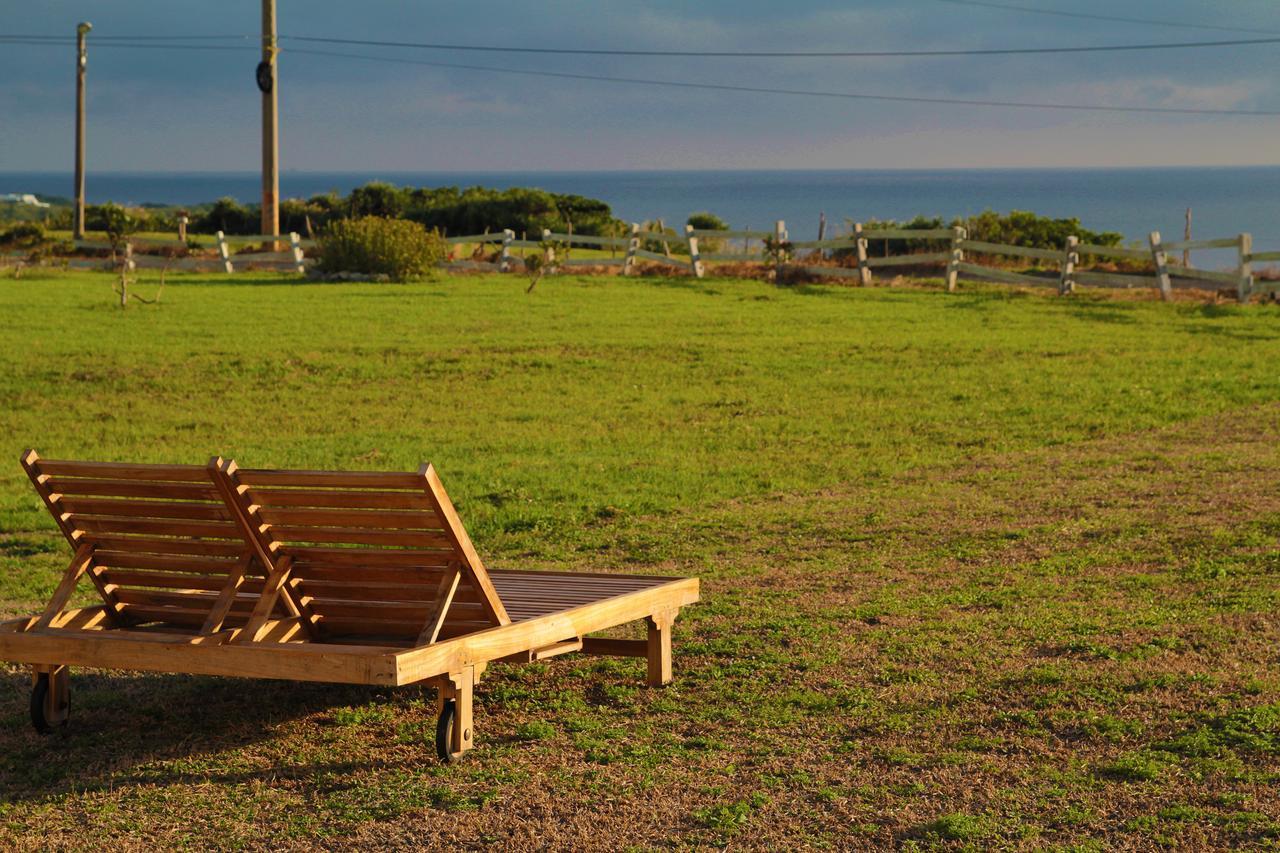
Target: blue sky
{"type": "Point", "coordinates": [170, 110]}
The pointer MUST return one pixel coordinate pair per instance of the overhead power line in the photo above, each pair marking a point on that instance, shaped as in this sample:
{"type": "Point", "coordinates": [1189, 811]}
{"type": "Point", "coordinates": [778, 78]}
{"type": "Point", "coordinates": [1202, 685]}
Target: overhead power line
{"type": "Point", "coordinates": [812, 93]}
{"type": "Point", "coordinates": [180, 41]}
{"type": "Point", "coordinates": [1089, 16]}
{"type": "Point", "coordinates": [793, 54]}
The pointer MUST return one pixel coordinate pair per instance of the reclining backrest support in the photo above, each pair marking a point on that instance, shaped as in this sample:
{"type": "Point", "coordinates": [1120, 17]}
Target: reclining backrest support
{"type": "Point", "coordinates": [366, 554]}
{"type": "Point", "coordinates": [157, 541]}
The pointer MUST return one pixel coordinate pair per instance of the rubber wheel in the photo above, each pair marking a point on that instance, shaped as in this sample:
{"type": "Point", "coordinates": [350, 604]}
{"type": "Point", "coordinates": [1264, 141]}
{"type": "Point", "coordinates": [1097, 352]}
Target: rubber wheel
{"type": "Point", "coordinates": [39, 699]}
{"type": "Point", "coordinates": [444, 732]}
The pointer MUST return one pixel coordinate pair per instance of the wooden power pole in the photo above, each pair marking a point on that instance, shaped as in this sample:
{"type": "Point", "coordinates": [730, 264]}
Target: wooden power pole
{"type": "Point", "coordinates": [82, 59]}
{"type": "Point", "coordinates": [270, 122]}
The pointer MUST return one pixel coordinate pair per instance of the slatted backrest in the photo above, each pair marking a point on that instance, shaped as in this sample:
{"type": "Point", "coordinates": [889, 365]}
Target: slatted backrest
{"type": "Point", "coordinates": [163, 540]}
{"type": "Point", "coordinates": [372, 553]}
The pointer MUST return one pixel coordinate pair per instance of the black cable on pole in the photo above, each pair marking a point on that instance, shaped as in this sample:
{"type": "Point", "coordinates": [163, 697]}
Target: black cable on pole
{"type": "Point", "coordinates": [763, 90]}
{"type": "Point", "coordinates": [793, 54]}
{"type": "Point", "coordinates": [1089, 16]}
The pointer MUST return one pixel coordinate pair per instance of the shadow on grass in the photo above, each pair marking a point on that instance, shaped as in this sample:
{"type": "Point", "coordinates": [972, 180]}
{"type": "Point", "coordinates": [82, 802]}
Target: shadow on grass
{"type": "Point", "coordinates": [121, 723]}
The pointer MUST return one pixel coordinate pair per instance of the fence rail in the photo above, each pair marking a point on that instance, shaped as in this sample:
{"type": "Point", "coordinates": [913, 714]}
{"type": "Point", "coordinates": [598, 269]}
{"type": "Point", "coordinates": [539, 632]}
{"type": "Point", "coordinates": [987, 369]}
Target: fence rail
{"type": "Point", "coordinates": [682, 251]}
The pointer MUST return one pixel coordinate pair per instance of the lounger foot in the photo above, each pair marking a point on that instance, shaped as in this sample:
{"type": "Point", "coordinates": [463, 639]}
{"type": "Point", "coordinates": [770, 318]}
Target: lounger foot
{"type": "Point", "coordinates": [50, 699]}
{"type": "Point", "coordinates": [659, 648]}
{"type": "Point", "coordinates": [453, 725]}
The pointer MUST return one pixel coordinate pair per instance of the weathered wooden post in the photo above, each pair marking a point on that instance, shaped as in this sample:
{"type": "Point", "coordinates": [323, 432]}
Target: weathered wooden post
{"type": "Point", "coordinates": [508, 236]}
{"type": "Point", "coordinates": [958, 236]}
{"type": "Point", "coordinates": [1245, 288]}
{"type": "Point", "coordinates": [224, 253]}
{"type": "Point", "coordinates": [1161, 261]}
{"type": "Point", "coordinates": [549, 251]}
{"type": "Point", "coordinates": [1070, 257]}
{"type": "Point", "coordinates": [633, 245]}
{"type": "Point", "coordinates": [183, 219]}
{"type": "Point", "coordinates": [695, 259]}
{"type": "Point", "coordinates": [860, 242]}
{"type": "Point", "coordinates": [779, 237]}
{"type": "Point", "coordinates": [295, 244]}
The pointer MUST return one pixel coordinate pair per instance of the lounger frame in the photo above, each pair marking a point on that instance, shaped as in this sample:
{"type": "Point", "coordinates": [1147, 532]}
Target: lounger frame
{"type": "Point", "coordinates": [255, 616]}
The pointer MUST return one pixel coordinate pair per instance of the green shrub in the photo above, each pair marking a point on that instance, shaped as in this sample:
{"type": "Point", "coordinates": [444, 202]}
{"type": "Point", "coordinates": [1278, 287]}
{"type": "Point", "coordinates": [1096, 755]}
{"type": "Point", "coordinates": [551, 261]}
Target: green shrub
{"type": "Point", "coordinates": [372, 245]}
{"type": "Point", "coordinates": [24, 235]}
{"type": "Point", "coordinates": [705, 221]}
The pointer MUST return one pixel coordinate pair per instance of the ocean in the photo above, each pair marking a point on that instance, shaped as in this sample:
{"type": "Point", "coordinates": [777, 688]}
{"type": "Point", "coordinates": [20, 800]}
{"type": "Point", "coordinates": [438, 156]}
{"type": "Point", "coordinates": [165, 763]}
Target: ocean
{"type": "Point", "coordinates": [1224, 200]}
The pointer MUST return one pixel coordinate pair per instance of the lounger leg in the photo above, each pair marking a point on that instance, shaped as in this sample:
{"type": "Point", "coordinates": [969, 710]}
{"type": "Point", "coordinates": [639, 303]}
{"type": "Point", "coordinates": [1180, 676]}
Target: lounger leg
{"type": "Point", "coordinates": [660, 648]}
{"type": "Point", "coordinates": [459, 687]}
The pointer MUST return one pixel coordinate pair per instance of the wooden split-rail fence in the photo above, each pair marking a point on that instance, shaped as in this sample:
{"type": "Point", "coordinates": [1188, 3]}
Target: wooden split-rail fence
{"type": "Point", "coordinates": [1074, 265]}
{"type": "Point", "coordinates": [154, 253]}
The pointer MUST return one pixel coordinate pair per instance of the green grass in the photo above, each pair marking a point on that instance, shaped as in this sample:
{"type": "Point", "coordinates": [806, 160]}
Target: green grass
{"type": "Point", "coordinates": [981, 569]}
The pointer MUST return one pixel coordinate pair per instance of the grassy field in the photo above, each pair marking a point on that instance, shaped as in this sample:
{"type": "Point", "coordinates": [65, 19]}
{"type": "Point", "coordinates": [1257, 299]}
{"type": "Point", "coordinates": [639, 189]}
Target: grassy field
{"type": "Point", "coordinates": [982, 569]}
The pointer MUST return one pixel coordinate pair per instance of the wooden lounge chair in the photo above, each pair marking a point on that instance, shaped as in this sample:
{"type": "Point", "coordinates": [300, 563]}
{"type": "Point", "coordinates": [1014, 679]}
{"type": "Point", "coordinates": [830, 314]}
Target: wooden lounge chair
{"type": "Point", "coordinates": [364, 578]}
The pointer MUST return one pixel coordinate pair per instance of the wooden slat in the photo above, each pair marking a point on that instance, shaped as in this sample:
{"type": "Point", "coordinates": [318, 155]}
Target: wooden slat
{"type": "Point", "coordinates": [360, 536]}
{"type": "Point", "coordinates": [124, 471]}
{"type": "Point", "coordinates": [419, 590]}
{"type": "Point", "coordinates": [195, 600]}
{"type": "Point", "coordinates": [1263, 256]}
{"type": "Point", "coordinates": [406, 576]}
{"type": "Point", "coordinates": [328, 479]}
{"type": "Point", "coordinates": [132, 489]}
{"type": "Point", "coordinates": [145, 509]}
{"type": "Point", "coordinates": [163, 562]}
{"type": "Point", "coordinates": [265, 497]}
{"type": "Point", "coordinates": [176, 580]}
{"type": "Point", "coordinates": [443, 606]}
{"type": "Point", "coordinates": [362, 557]}
{"type": "Point", "coordinates": [155, 527]}
{"type": "Point", "coordinates": [387, 519]}
{"type": "Point", "coordinates": [147, 545]}
{"type": "Point", "coordinates": [169, 615]}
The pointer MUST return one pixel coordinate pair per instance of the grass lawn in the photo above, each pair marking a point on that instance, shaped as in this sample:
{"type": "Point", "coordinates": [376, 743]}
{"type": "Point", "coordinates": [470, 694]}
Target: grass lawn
{"type": "Point", "coordinates": [978, 569]}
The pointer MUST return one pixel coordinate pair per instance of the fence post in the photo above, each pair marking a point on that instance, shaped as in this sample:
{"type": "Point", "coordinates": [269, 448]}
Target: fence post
{"type": "Point", "coordinates": [958, 235]}
{"type": "Point", "coordinates": [549, 253]}
{"type": "Point", "coordinates": [779, 237]}
{"type": "Point", "coordinates": [695, 259]}
{"type": "Point", "coordinates": [295, 242]}
{"type": "Point", "coordinates": [224, 253]}
{"type": "Point", "coordinates": [1162, 267]}
{"type": "Point", "coordinates": [504, 265]}
{"type": "Point", "coordinates": [633, 245]}
{"type": "Point", "coordinates": [1245, 287]}
{"type": "Point", "coordinates": [860, 243]}
{"type": "Point", "coordinates": [1070, 257]}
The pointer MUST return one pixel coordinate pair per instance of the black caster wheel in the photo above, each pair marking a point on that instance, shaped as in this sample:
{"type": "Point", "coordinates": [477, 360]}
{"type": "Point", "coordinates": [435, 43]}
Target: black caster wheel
{"type": "Point", "coordinates": [49, 711]}
{"type": "Point", "coordinates": [444, 732]}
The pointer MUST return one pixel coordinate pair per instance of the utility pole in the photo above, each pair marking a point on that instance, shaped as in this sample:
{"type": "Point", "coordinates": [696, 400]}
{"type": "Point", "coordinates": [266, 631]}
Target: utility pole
{"type": "Point", "coordinates": [270, 122]}
{"type": "Point", "coordinates": [82, 59]}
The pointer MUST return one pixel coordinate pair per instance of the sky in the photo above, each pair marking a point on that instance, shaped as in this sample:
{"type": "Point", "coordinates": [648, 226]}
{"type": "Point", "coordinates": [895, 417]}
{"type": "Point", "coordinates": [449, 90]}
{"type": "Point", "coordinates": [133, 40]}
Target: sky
{"type": "Point", "coordinates": [176, 110]}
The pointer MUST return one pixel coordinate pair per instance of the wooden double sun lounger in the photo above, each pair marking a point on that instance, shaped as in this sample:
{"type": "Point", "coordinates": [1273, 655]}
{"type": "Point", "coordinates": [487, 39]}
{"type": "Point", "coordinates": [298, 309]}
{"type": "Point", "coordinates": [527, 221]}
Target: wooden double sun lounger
{"type": "Point", "coordinates": [357, 578]}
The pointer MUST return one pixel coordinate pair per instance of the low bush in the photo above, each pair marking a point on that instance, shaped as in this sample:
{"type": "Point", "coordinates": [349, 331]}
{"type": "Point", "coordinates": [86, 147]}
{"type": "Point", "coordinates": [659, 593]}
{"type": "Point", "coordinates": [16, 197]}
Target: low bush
{"type": "Point", "coordinates": [373, 245]}
{"type": "Point", "coordinates": [24, 235]}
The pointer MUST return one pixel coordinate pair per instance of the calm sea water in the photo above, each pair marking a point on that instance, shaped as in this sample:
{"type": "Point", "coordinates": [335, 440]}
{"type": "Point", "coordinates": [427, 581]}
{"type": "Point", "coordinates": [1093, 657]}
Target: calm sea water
{"type": "Point", "coordinates": [1224, 201]}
